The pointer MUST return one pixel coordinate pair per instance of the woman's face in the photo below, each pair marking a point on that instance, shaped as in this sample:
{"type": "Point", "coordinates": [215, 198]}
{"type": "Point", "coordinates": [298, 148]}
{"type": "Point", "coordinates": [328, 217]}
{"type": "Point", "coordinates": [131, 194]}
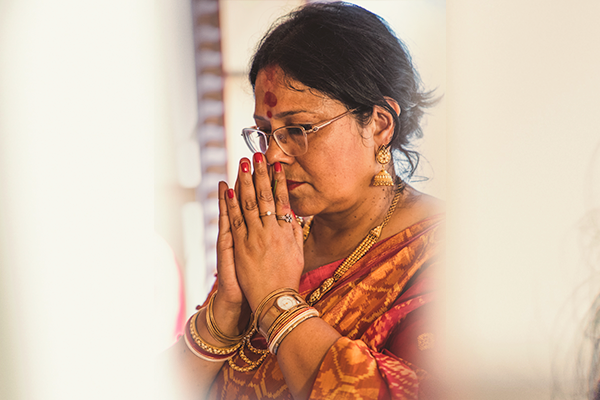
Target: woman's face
{"type": "Point", "coordinates": [335, 173]}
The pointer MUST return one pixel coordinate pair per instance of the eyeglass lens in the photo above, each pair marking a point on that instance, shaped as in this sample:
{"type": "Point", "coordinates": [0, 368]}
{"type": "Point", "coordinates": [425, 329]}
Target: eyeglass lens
{"type": "Point", "coordinates": [292, 140]}
{"type": "Point", "coordinates": [256, 140]}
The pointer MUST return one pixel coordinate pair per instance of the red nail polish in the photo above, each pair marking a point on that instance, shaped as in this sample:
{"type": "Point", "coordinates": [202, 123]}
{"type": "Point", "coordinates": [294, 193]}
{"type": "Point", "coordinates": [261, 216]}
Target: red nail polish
{"type": "Point", "coordinates": [258, 157]}
{"type": "Point", "coordinates": [294, 214]}
{"type": "Point", "coordinates": [230, 193]}
{"type": "Point", "coordinates": [245, 167]}
{"type": "Point", "coordinates": [278, 167]}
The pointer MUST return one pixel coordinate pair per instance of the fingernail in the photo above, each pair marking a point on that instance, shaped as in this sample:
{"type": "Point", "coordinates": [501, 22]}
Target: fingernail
{"type": "Point", "coordinates": [294, 214]}
{"type": "Point", "coordinates": [245, 167]}
{"type": "Point", "coordinates": [230, 193]}
{"type": "Point", "coordinates": [258, 157]}
{"type": "Point", "coordinates": [278, 167]}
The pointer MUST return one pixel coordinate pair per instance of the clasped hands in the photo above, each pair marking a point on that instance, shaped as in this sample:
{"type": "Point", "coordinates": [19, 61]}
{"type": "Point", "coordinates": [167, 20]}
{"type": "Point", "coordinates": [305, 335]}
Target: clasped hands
{"type": "Point", "coordinates": [257, 252]}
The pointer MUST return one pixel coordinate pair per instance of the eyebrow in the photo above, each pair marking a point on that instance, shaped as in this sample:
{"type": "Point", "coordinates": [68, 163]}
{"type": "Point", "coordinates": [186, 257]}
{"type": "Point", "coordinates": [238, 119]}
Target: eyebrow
{"type": "Point", "coordinates": [284, 114]}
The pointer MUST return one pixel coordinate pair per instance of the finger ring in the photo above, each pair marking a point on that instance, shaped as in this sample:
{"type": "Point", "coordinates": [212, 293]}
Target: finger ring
{"type": "Point", "coordinates": [286, 217]}
{"type": "Point", "coordinates": [265, 214]}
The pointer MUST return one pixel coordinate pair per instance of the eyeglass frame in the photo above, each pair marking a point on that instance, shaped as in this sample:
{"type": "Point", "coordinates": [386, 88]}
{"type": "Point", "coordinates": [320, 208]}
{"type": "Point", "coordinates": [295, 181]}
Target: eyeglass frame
{"type": "Point", "coordinates": [305, 132]}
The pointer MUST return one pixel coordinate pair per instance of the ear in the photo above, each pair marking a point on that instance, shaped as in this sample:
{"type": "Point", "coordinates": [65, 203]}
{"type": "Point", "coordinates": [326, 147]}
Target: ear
{"type": "Point", "coordinates": [384, 122]}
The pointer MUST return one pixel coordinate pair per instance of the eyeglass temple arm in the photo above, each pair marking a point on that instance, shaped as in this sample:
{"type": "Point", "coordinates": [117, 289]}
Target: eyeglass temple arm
{"type": "Point", "coordinates": [316, 128]}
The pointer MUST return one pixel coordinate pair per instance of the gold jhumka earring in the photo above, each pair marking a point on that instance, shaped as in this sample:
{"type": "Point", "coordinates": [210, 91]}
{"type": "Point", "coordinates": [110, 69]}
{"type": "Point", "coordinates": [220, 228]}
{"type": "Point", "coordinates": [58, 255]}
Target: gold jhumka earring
{"type": "Point", "coordinates": [383, 157]}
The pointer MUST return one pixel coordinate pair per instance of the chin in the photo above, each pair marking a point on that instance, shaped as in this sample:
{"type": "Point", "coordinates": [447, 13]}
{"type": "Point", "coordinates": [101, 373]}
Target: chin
{"type": "Point", "coordinates": [302, 207]}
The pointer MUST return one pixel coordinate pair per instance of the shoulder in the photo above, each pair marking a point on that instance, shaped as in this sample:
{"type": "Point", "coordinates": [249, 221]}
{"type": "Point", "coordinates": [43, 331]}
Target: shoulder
{"type": "Point", "coordinates": [415, 207]}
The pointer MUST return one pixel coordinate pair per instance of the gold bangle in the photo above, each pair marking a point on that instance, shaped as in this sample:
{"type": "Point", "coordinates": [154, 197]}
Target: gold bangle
{"type": "Point", "coordinates": [283, 318]}
{"type": "Point", "coordinates": [264, 302]}
{"type": "Point", "coordinates": [274, 311]}
{"type": "Point", "coordinates": [203, 356]}
{"type": "Point", "coordinates": [214, 330]}
{"type": "Point", "coordinates": [285, 328]}
{"type": "Point", "coordinates": [207, 347]}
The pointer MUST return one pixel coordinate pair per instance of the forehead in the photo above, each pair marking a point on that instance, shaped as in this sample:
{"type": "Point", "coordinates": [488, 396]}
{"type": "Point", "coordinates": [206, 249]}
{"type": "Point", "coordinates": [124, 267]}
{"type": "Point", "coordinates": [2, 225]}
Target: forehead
{"type": "Point", "coordinates": [271, 77]}
{"type": "Point", "coordinates": [274, 90]}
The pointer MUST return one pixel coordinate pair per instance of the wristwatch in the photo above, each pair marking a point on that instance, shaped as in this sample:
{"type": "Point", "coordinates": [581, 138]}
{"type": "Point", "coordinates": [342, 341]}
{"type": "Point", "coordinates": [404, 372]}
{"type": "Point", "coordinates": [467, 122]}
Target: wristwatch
{"type": "Point", "coordinates": [285, 302]}
{"type": "Point", "coordinates": [282, 304]}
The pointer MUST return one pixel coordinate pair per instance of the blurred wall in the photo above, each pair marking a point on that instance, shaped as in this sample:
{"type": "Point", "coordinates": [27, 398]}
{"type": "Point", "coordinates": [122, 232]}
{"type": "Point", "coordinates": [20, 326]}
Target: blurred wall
{"type": "Point", "coordinates": [77, 104]}
{"type": "Point", "coordinates": [523, 127]}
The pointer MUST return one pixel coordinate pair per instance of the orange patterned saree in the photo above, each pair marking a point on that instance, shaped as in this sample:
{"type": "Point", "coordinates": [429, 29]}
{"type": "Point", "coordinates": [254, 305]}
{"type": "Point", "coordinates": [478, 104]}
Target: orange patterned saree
{"type": "Point", "coordinates": [384, 309]}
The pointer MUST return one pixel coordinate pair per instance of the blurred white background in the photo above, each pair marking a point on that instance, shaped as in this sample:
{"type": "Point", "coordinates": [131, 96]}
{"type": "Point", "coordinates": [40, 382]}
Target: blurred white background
{"type": "Point", "coordinates": [89, 93]}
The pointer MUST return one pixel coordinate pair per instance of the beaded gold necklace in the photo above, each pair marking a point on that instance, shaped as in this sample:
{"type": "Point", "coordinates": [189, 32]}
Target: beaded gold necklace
{"type": "Point", "coordinates": [364, 246]}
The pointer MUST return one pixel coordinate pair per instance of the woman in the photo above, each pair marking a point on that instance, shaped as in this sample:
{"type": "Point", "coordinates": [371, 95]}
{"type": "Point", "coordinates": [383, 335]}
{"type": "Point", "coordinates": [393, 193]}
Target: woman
{"type": "Point", "coordinates": [342, 305]}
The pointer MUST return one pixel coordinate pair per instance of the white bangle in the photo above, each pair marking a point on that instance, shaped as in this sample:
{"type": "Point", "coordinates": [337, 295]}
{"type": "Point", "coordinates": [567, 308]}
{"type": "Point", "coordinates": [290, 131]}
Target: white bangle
{"type": "Point", "coordinates": [290, 326]}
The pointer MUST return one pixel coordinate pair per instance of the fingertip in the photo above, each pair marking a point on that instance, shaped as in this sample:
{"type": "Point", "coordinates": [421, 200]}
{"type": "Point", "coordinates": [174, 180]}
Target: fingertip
{"type": "Point", "coordinates": [244, 162]}
{"type": "Point", "coordinates": [258, 157]}
{"type": "Point", "coordinates": [230, 194]}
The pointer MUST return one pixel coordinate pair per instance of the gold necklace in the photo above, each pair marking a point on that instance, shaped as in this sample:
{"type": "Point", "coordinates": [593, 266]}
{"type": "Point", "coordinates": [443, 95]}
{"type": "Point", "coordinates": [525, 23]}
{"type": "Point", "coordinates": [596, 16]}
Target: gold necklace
{"type": "Point", "coordinates": [356, 255]}
{"type": "Point", "coordinates": [364, 246]}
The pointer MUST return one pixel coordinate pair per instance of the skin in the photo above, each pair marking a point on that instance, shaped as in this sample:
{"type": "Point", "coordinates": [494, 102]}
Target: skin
{"type": "Point", "coordinates": [269, 254]}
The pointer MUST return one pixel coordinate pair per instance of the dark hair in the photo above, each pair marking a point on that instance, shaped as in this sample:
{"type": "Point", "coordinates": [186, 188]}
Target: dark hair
{"type": "Point", "coordinates": [353, 56]}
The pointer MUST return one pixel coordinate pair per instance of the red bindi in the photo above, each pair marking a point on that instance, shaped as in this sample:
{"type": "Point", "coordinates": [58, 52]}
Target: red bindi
{"type": "Point", "coordinates": [270, 99]}
{"type": "Point", "coordinates": [269, 114]}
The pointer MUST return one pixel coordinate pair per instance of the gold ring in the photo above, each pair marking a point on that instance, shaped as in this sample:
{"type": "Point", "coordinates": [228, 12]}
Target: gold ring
{"type": "Point", "coordinates": [266, 214]}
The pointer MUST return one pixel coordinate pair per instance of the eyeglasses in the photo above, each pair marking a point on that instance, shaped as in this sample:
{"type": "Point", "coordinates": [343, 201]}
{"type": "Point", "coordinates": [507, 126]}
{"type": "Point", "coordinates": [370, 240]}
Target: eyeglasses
{"type": "Point", "coordinates": [290, 139]}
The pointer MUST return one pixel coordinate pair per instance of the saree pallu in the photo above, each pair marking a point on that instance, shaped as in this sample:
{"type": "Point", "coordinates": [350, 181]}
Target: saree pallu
{"type": "Point", "coordinates": [384, 308]}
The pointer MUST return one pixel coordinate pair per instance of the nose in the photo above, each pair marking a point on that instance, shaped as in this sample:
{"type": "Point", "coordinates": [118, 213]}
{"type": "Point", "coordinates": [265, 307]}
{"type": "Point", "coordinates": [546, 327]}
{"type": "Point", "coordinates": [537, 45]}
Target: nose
{"type": "Point", "coordinates": [275, 154]}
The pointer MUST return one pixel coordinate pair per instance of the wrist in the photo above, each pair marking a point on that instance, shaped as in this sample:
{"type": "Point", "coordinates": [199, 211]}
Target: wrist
{"type": "Point", "coordinates": [231, 318]}
{"type": "Point", "coordinates": [273, 309]}
{"type": "Point", "coordinates": [202, 329]}
{"type": "Point", "coordinates": [258, 296]}
{"type": "Point", "coordinates": [202, 348]}
{"type": "Point", "coordinates": [280, 312]}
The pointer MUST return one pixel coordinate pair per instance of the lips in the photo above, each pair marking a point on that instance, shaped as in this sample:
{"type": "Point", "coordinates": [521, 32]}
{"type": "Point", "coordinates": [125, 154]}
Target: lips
{"type": "Point", "coordinates": [291, 185]}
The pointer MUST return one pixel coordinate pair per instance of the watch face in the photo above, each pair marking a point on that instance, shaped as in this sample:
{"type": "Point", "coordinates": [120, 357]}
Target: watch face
{"type": "Point", "coordinates": [286, 302]}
